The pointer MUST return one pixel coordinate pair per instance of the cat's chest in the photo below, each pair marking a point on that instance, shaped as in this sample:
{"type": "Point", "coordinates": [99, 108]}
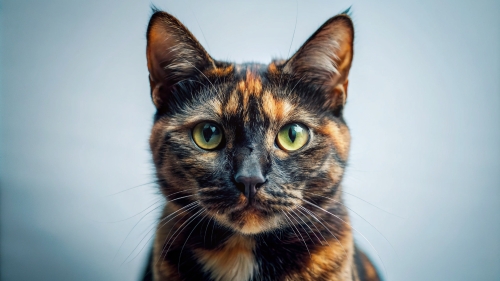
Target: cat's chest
{"type": "Point", "coordinates": [234, 261]}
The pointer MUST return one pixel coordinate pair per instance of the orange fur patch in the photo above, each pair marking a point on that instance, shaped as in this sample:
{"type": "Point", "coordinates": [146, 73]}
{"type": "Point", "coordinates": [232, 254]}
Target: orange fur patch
{"type": "Point", "coordinates": [242, 88]}
{"type": "Point", "coordinates": [222, 71]}
{"type": "Point", "coordinates": [272, 69]}
{"type": "Point", "coordinates": [340, 136]}
{"type": "Point", "coordinates": [253, 83]}
{"type": "Point", "coordinates": [333, 260]}
{"type": "Point", "coordinates": [253, 223]}
{"type": "Point", "coordinates": [232, 104]}
{"type": "Point", "coordinates": [234, 261]}
{"type": "Point", "coordinates": [273, 108]}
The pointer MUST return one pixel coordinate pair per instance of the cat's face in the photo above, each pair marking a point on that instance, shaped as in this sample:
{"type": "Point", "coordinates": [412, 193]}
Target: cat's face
{"type": "Point", "coordinates": [248, 144]}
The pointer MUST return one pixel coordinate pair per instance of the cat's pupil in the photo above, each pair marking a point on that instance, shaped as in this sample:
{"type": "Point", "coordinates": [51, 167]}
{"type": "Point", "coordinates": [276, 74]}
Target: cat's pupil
{"type": "Point", "coordinates": [209, 131]}
{"type": "Point", "coordinates": [292, 133]}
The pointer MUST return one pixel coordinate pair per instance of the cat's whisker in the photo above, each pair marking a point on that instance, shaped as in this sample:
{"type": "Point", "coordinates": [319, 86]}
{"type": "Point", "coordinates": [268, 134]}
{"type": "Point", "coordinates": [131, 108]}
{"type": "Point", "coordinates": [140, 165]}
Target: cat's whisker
{"type": "Point", "coordinates": [156, 226]}
{"type": "Point", "coordinates": [293, 226]}
{"type": "Point", "coordinates": [173, 213]}
{"type": "Point", "coordinates": [264, 241]}
{"type": "Point", "coordinates": [289, 224]}
{"type": "Point", "coordinates": [206, 230]}
{"type": "Point", "coordinates": [179, 231]}
{"type": "Point", "coordinates": [133, 216]}
{"type": "Point", "coordinates": [313, 232]}
{"type": "Point", "coordinates": [291, 215]}
{"type": "Point", "coordinates": [338, 202]}
{"type": "Point", "coordinates": [144, 184]}
{"type": "Point", "coordinates": [327, 228]}
{"type": "Point", "coordinates": [187, 210]}
{"type": "Point", "coordinates": [180, 254]}
{"type": "Point", "coordinates": [125, 239]}
{"type": "Point", "coordinates": [385, 211]}
{"type": "Point", "coordinates": [366, 239]}
{"type": "Point", "coordinates": [182, 197]}
{"type": "Point", "coordinates": [168, 200]}
{"type": "Point", "coordinates": [213, 227]}
{"type": "Point", "coordinates": [273, 231]}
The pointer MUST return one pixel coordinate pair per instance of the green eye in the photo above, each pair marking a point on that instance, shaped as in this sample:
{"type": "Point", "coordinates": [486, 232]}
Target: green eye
{"type": "Point", "coordinates": [292, 137]}
{"type": "Point", "coordinates": [207, 135]}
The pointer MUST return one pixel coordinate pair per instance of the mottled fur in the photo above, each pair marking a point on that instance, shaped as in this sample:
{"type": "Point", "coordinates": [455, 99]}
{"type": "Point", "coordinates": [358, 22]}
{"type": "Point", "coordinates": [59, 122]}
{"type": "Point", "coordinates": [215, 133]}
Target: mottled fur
{"type": "Point", "coordinates": [296, 228]}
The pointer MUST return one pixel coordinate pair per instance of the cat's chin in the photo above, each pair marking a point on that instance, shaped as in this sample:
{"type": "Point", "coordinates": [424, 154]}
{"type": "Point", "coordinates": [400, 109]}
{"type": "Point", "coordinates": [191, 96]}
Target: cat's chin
{"type": "Point", "coordinates": [250, 221]}
{"type": "Point", "coordinates": [256, 228]}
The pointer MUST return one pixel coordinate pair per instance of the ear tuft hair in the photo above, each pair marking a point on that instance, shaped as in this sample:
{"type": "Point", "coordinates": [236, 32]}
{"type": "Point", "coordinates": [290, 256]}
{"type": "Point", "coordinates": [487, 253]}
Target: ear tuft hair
{"type": "Point", "coordinates": [347, 12]}
{"type": "Point", "coordinates": [154, 9]}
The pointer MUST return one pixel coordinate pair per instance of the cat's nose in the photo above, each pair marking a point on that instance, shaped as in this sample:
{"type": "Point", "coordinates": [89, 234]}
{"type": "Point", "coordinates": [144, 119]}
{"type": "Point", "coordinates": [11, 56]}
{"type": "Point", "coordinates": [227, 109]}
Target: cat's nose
{"type": "Point", "coordinates": [249, 182]}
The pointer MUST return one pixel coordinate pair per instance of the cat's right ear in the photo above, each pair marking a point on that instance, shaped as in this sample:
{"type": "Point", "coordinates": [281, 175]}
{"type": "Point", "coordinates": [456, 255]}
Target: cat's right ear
{"type": "Point", "coordinates": [325, 59]}
{"type": "Point", "coordinates": [173, 55]}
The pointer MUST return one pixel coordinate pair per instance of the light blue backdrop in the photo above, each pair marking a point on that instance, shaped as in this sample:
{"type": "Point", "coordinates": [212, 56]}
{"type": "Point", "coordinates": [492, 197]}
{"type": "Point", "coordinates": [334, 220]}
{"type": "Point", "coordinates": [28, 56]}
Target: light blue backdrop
{"type": "Point", "coordinates": [423, 107]}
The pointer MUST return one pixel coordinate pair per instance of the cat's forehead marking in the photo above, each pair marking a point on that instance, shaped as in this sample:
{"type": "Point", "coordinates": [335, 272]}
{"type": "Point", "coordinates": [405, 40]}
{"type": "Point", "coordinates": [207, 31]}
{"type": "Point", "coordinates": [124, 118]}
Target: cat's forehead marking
{"type": "Point", "coordinates": [250, 84]}
{"type": "Point", "coordinates": [248, 87]}
{"type": "Point", "coordinates": [232, 104]}
{"type": "Point", "coordinates": [253, 82]}
{"type": "Point", "coordinates": [274, 108]}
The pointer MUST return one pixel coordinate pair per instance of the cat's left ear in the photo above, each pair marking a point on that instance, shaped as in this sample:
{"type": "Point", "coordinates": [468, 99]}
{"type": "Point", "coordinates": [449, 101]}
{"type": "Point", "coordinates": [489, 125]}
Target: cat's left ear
{"type": "Point", "coordinates": [325, 59]}
{"type": "Point", "coordinates": [174, 55]}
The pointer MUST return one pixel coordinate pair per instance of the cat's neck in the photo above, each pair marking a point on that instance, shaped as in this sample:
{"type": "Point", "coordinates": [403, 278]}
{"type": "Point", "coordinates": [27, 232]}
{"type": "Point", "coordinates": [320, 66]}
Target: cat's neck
{"type": "Point", "coordinates": [196, 247]}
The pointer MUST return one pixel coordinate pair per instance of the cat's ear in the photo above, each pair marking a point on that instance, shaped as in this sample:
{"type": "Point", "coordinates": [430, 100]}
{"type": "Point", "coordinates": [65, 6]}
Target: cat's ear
{"type": "Point", "coordinates": [173, 55]}
{"type": "Point", "coordinates": [325, 59]}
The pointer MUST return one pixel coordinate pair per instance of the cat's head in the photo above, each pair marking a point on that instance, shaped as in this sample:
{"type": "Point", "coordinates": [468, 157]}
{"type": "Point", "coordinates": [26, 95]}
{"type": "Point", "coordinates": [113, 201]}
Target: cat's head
{"type": "Point", "coordinates": [248, 144]}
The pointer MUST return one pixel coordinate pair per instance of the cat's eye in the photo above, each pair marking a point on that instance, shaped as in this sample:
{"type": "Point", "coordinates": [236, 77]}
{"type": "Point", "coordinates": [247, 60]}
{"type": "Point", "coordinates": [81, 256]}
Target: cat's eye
{"type": "Point", "coordinates": [207, 135]}
{"type": "Point", "coordinates": [292, 137]}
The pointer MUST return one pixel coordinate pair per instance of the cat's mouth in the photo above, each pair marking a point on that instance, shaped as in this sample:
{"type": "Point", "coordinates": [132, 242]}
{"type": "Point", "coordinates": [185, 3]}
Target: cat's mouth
{"type": "Point", "coordinates": [251, 204]}
{"type": "Point", "coordinates": [250, 217]}
{"type": "Point", "coordinates": [251, 220]}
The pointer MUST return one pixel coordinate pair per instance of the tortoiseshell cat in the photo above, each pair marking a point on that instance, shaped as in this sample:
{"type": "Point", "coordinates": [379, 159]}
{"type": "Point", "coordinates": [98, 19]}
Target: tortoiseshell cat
{"type": "Point", "coordinates": [250, 158]}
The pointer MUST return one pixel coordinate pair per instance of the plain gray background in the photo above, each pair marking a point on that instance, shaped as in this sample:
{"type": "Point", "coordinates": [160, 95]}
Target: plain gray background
{"type": "Point", "coordinates": [423, 108]}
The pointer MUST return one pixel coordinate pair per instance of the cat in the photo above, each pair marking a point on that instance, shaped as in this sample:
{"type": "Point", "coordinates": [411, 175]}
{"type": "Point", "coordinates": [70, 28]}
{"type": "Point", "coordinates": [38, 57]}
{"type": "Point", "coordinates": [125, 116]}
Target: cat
{"type": "Point", "coordinates": [250, 158]}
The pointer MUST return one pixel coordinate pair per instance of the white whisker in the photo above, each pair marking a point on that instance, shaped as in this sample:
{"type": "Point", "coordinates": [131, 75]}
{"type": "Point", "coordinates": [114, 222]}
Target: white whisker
{"type": "Point", "coordinates": [187, 206]}
{"type": "Point", "coordinates": [336, 201]}
{"type": "Point", "coordinates": [179, 231]}
{"type": "Point", "coordinates": [314, 205]}
{"type": "Point", "coordinates": [180, 255]}
{"type": "Point", "coordinates": [300, 223]}
{"type": "Point", "coordinates": [308, 224]}
{"type": "Point", "coordinates": [121, 245]}
{"type": "Point", "coordinates": [187, 210]}
{"type": "Point", "coordinates": [293, 226]}
{"type": "Point", "coordinates": [373, 205]}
